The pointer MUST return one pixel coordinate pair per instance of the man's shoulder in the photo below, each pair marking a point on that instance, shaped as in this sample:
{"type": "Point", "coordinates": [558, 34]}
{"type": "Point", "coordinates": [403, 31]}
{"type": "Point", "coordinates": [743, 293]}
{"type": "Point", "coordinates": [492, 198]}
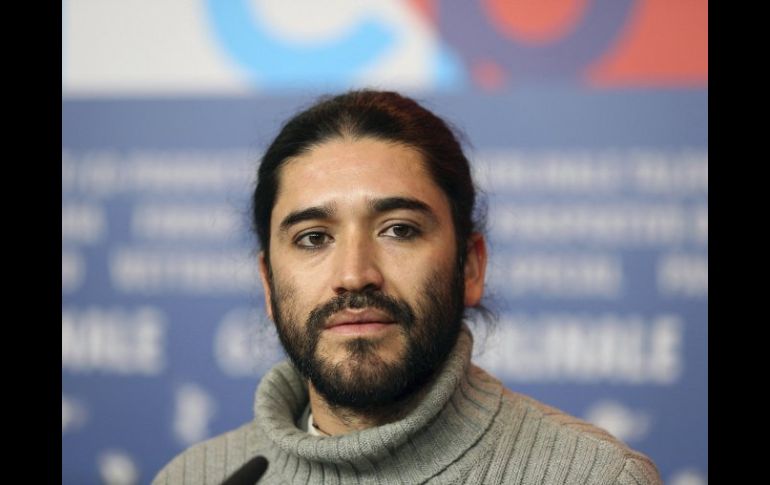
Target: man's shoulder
{"type": "Point", "coordinates": [208, 461]}
{"type": "Point", "coordinates": [558, 445]}
{"type": "Point", "coordinates": [553, 417]}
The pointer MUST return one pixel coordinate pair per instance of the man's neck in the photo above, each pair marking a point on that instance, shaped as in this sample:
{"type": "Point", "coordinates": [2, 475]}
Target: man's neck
{"type": "Point", "coordinates": [336, 420]}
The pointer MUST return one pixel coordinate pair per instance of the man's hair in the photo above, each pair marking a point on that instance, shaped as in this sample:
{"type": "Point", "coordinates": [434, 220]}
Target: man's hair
{"type": "Point", "coordinates": [382, 115]}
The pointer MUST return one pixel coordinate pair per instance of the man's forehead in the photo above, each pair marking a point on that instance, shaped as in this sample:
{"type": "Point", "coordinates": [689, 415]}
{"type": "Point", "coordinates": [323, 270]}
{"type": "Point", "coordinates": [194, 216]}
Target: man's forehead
{"type": "Point", "coordinates": [343, 154]}
{"type": "Point", "coordinates": [363, 170]}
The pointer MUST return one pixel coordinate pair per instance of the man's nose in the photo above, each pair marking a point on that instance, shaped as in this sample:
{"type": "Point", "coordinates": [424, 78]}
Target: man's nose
{"type": "Point", "coordinates": [357, 268]}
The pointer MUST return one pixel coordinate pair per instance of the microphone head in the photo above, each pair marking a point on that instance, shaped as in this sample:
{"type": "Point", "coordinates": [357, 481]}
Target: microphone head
{"type": "Point", "coordinates": [249, 473]}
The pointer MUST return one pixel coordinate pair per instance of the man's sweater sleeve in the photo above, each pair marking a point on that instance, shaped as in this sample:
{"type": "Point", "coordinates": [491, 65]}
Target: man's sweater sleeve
{"type": "Point", "coordinates": [638, 472]}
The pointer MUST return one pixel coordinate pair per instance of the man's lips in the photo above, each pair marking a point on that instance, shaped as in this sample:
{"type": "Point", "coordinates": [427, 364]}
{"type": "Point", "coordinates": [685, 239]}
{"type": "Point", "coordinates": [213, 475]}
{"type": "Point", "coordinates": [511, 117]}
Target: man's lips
{"type": "Point", "coordinates": [358, 317]}
{"type": "Point", "coordinates": [358, 322]}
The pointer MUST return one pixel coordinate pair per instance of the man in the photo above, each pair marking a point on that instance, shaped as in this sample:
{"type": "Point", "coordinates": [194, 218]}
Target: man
{"type": "Point", "coordinates": [364, 210]}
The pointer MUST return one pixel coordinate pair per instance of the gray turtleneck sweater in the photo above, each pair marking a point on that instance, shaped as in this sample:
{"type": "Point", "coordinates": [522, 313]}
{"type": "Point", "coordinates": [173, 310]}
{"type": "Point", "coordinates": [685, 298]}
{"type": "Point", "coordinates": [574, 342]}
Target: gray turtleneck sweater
{"type": "Point", "coordinates": [467, 429]}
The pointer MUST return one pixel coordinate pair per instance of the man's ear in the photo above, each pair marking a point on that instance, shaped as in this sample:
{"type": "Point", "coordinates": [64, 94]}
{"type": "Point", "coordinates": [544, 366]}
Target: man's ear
{"type": "Point", "coordinates": [475, 269]}
{"type": "Point", "coordinates": [264, 273]}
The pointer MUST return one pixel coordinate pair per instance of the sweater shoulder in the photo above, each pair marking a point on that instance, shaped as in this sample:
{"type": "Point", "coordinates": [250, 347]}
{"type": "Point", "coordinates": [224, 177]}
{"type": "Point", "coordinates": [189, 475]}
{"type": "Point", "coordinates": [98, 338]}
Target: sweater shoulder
{"type": "Point", "coordinates": [209, 461]}
{"type": "Point", "coordinates": [639, 471]}
{"type": "Point", "coordinates": [567, 447]}
{"type": "Point", "coordinates": [558, 418]}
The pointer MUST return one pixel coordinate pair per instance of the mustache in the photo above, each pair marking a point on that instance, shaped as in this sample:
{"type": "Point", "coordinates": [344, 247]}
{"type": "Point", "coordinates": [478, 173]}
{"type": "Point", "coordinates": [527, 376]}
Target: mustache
{"type": "Point", "coordinates": [399, 311]}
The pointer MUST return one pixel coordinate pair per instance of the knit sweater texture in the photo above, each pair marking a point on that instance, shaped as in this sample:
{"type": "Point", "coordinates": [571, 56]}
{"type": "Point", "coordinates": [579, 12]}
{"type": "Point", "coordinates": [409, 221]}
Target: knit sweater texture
{"type": "Point", "coordinates": [467, 429]}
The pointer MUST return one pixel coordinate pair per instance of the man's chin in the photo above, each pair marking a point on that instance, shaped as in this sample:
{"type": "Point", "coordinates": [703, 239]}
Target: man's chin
{"type": "Point", "coordinates": [376, 348]}
{"type": "Point", "coordinates": [361, 379]}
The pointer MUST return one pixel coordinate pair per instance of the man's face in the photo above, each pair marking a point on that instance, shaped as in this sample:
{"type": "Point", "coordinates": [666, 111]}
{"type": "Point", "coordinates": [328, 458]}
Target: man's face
{"type": "Point", "coordinates": [364, 284]}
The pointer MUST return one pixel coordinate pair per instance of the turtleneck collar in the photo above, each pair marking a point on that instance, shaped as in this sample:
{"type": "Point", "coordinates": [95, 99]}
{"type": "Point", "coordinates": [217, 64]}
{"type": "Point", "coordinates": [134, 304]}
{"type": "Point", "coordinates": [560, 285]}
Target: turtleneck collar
{"type": "Point", "coordinates": [456, 410]}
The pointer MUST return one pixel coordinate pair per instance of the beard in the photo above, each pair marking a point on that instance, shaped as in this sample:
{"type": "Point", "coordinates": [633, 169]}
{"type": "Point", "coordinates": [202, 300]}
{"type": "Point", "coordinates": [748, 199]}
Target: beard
{"type": "Point", "coordinates": [361, 379]}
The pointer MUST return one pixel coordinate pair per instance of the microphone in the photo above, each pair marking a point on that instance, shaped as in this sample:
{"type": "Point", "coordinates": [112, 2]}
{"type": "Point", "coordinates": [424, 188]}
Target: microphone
{"type": "Point", "coordinates": [249, 473]}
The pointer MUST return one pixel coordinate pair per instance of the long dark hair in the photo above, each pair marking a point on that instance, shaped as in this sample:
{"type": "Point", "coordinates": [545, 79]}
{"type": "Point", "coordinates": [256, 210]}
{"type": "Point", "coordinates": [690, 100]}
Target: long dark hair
{"type": "Point", "coordinates": [382, 115]}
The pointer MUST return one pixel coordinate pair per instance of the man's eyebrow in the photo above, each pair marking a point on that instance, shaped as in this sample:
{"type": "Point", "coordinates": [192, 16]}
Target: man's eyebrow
{"type": "Point", "coordinates": [328, 211]}
{"type": "Point", "coordinates": [316, 212]}
{"type": "Point", "coordinates": [395, 203]}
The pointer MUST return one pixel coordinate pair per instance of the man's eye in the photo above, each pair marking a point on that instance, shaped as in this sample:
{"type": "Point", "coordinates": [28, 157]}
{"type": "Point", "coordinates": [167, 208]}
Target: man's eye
{"type": "Point", "coordinates": [312, 240]}
{"type": "Point", "coordinates": [401, 231]}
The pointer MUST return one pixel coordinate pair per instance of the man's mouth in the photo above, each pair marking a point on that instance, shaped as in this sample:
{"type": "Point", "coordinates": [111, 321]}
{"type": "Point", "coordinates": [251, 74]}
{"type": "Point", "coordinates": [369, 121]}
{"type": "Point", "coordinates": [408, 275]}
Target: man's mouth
{"type": "Point", "coordinates": [358, 321]}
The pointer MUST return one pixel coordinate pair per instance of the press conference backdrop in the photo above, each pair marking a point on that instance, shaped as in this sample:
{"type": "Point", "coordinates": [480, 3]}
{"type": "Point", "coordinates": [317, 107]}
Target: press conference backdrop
{"type": "Point", "coordinates": [586, 121]}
